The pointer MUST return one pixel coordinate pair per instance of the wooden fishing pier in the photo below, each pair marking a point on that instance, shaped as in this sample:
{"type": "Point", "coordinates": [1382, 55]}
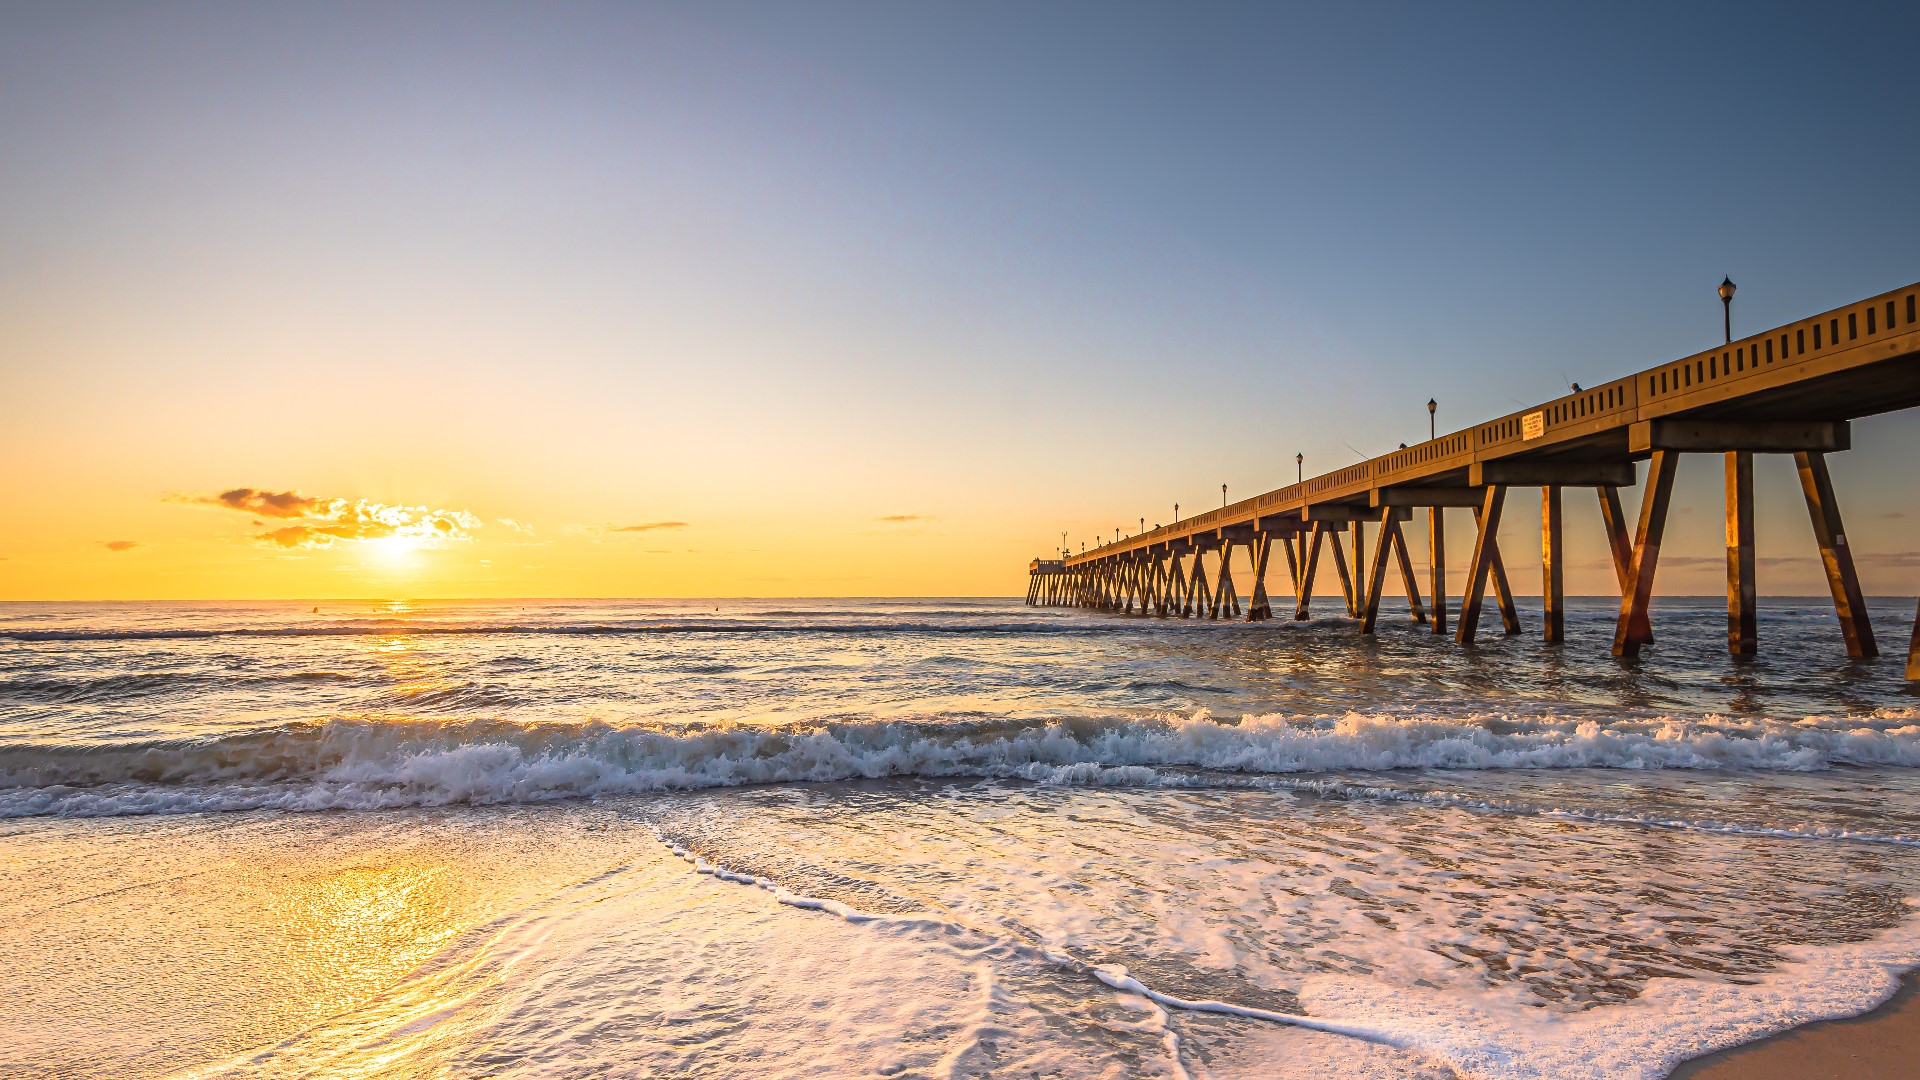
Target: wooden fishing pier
{"type": "Point", "coordinates": [1791, 390]}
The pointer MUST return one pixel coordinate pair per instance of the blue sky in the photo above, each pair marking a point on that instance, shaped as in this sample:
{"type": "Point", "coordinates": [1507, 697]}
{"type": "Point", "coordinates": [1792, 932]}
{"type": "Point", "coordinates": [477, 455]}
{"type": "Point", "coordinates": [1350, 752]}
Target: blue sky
{"type": "Point", "coordinates": [1000, 269]}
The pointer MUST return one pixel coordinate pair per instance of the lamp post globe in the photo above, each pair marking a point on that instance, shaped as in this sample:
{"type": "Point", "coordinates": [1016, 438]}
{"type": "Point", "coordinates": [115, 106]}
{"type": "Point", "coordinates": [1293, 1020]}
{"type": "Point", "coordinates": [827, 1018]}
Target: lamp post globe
{"type": "Point", "coordinates": [1432, 407]}
{"type": "Point", "coordinates": [1727, 288]}
{"type": "Point", "coordinates": [1299, 467]}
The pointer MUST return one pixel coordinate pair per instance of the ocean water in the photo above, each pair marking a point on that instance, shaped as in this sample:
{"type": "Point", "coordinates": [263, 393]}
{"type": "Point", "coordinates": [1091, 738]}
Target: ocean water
{"type": "Point", "coordinates": [934, 838]}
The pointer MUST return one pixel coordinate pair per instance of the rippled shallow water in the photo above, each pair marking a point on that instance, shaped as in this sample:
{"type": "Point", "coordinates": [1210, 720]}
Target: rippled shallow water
{"type": "Point", "coordinates": [934, 838]}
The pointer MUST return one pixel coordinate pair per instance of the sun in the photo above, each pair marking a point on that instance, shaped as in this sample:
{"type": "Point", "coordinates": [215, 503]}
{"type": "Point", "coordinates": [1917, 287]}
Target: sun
{"type": "Point", "coordinates": [398, 551]}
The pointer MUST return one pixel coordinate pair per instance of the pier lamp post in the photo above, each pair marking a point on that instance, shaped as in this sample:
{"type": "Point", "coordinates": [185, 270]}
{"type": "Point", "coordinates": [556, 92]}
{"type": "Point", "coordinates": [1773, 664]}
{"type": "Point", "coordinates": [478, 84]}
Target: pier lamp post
{"type": "Point", "coordinates": [1143, 526]}
{"type": "Point", "coordinates": [1176, 513]}
{"type": "Point", "coordinates": [1726, 304]}
{"type": "Point", "coordinates": [1223, 496]}
{"type": "Point", "coordinates": [1299, 467]}
{"type": "Point", "coordinates": [1432, 406]}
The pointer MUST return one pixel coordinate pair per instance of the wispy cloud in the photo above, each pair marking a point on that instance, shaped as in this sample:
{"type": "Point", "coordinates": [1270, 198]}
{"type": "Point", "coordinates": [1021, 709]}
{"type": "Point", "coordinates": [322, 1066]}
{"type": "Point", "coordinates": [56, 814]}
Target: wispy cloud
{"type": "Point", "coordinates": [649, 526]}
{"type": "Point", "coordinates": [119, 545]}
{"type": "Point", "coordinates": [263, 503]}
{"type": "Point", "coordinates": [1888, 558]}
{"type": "Point", "coordinates": [1688, 562]}
{"type": "Point", "coordinates": [901, 519]}
{"type": "Point", "coordinates": [323, 522]}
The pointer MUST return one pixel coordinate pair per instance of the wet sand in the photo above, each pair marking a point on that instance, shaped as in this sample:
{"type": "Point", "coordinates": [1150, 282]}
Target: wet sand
{"type": "Point", "coordinates": [1881, 1045]}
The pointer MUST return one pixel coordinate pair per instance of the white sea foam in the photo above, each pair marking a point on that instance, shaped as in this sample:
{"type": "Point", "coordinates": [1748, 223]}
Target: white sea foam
{"type": "Point", "coordinates": [1491, 1036]}
{"type": "Point", "coordinates": [374, 764]}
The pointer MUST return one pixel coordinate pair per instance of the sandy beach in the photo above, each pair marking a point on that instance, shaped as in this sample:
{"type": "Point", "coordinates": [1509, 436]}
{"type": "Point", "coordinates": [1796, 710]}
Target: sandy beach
{"type": "Point", "coordinates": [1881, 1045]}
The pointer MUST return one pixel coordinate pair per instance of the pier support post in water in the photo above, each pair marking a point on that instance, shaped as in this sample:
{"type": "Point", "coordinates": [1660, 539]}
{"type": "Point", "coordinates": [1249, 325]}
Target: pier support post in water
{"type": "Point", "coordinates": [1357, 596]}
{"type": "Point", "coordinates": [1848, 603]}
{"type": "Point", "coordinates": [1619, 541]}
{"type": "Point", "coordinates": [1303, 595]}
{"type": "Point", "coordinates": [1553, 554]}
{"type": "Point", "coordinates": [1258, 607]}
{"type": "Point", "coordinates": [1486, 551]}
{"type": "Point", "coordinates": [1290, 543]}
{"type": "Point", "coordinates": [1347, 584]}
{"type": "Point", "coordinates": [1377, 580]}
{"type": "Point", "coordinates": [1226, 599]}
{"type": "Point", "coordinates": [1502, 588]}
{"type": "Point", "coordinates": [1634, 627]}
{"type": "Point", "coordinates": [1437, 565]}
{"type": "Point", "coordinates": [1197, 587]}
{"type": "Point", "coordinates": [1742, 616]}
{"type": "Point", "coordinates": [1411, 583]}
{"type": "Point", "coordinates": [1913, 650]}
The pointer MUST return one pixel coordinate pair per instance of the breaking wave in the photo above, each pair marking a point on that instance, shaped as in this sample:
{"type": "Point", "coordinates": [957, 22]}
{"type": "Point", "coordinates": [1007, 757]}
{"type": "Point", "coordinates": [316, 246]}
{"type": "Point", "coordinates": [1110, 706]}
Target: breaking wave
{"type": "Point", "coordinates": [375, 763]}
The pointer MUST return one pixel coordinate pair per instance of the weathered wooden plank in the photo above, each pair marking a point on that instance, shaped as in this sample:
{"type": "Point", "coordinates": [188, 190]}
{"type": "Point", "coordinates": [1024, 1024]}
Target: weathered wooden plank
{"type": "Point", "coordinates": [1427, 497]}
{"type": "Point", "coordinates": [1551, 473]}
{"type": "Point", "coordinates": [1751, 436]}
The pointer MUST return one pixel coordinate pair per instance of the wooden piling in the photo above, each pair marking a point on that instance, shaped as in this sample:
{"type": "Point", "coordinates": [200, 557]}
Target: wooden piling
{"type": "Point", "coordinates": [1842, 580]}
{"type": "Point", "coordinates": [1913, 650]}
{"type": "Point", "coordinates": [1742, 596]}
{"type": "Point", "coordinates": [1407, 580]}
{"type": "Point", "coordinates": [1258, 608]}
{"type": "Point", "coordinates": [1437, 565]}
{"type": "Point", "coordinates": [1552, 570]}
{"type": "Point", "coordinates": [1347, 583]}
{"type": "Point", "coordinates": [1225, 596]}
{"type": "Point", "coordinates": [1356, 598]}
{"type": "Point", "coordinates": [1485, 551]}
{"type": "Point", "coordinates": [1635, 626]}
{"type": "Point", "coordinates": [1619, 543]}
{"type": "Point", "coordinates": [1197, 586]}
{"type": "Point", "coordinates": [1502, 588]}
{"type": "Point", "coordinates": [1303, 595]}
{"type": "Point", "coordinates": [1377, 580]}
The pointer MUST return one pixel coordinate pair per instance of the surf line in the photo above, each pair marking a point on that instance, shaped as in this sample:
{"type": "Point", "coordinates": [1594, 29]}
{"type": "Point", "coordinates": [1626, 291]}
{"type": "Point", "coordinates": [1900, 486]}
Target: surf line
{"type": "Point", "coordinates": [1113, 975]}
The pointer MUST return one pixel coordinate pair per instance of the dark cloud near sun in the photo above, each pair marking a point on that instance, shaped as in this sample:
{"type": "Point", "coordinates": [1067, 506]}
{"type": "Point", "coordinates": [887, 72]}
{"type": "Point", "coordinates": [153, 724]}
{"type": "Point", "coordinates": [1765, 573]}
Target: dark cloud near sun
{"type": "Point", "coordinates": [322, 522]}
{"type": "Point", "coordinates": [272, 504]}
{"type": "Point", "coordinates": [119, 545]}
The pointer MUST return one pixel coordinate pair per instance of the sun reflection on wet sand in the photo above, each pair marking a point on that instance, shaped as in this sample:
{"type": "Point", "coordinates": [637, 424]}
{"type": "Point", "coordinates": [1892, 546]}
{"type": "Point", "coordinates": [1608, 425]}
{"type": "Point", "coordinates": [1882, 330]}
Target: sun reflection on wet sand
{"type": "Point", "coordinates": [153, 945]}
